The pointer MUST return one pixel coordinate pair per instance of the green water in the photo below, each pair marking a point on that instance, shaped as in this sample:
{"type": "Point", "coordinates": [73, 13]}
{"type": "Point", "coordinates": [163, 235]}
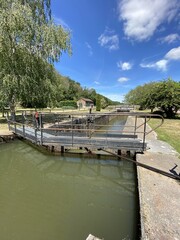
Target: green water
{"type": "Point", "coordinates": [44, 197]}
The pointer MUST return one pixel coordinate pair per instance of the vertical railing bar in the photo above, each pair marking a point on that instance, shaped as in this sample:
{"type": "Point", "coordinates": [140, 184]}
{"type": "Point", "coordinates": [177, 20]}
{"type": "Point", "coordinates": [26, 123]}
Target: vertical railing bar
{"type": "Point", "coordinates": [144, 134]}
{"type": "Point", "coordinates": [15, 127]}
{"type": "Point", "coordinates": [35, 133]}
{"type": "Point", "coordinates": [41, 126]}
{"type": "Point", "coordinates": [72, 133]}
{"type": "Point", "coordinates": [135, 126]}
{"type": "Point", "coordinates": [23, 131]}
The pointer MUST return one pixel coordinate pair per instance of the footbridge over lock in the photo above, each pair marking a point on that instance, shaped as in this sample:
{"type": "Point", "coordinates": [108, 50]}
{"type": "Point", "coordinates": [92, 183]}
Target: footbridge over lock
{"type": "Point", "coordinates": [62, 132]}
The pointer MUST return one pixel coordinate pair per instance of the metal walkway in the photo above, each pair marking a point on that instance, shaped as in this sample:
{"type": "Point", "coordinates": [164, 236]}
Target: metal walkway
{"type": "Point", "coordinates": [91, 131]}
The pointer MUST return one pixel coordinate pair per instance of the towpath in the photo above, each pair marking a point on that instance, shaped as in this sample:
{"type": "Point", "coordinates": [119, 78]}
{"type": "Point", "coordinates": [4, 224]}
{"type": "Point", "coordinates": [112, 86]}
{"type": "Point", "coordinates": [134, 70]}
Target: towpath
{"type": "Point", "coordinates": [159, 195]}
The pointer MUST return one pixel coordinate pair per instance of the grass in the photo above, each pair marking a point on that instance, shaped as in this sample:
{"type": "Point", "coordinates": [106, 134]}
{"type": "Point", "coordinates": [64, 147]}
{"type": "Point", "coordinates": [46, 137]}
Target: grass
{"type": "Point", "coordinates": [168, 132]}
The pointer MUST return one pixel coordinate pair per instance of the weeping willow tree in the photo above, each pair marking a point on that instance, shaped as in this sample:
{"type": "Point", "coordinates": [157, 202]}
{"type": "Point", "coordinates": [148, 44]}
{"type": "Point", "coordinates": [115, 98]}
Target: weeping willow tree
{"type": "Point", "coordinates": [30, 43]}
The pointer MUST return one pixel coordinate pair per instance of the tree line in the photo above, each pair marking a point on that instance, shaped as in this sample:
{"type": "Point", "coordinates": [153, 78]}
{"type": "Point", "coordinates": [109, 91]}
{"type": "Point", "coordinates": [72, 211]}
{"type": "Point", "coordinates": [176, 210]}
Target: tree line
{"type": "Point", "coordinates": [30, 43]}
{"type": "Point", "coordinates": [164, 95]}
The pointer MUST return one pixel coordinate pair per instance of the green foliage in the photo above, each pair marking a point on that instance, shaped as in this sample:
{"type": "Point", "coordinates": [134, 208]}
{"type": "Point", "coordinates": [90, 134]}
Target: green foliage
{"type": "Point", "coordinates": [89, 93]}
{"type": "Point", "coordinates": [114, 103]}
{"type": "Point", "coordinates": [143, 96]}
{"type": "Point", "coordinates": [168, 97]}
{"type": "Point", "coordinates": [29, 43]}
{"type": "Point", "coordinates": [164, 95]}
{"type": "Point", "coordinates": [98, 102]}
{"type": "Point", "coordinates": [68, 103]}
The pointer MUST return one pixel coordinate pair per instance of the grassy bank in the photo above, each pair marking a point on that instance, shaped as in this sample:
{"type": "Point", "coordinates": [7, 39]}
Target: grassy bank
{"type": "Point", "coordinates": [168, 132]}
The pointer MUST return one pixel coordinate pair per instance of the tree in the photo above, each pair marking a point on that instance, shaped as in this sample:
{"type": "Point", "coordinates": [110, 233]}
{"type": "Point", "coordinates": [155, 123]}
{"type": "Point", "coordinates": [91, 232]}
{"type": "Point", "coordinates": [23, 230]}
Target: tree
{"type": "Point", "coordinates": [168, 96]}
{"type": "Point", "coordinates": [98, 103]}
{"type": "Point", "coordinates": [164, 95]}
{"type": "Point", "coordinates": [29, 44]}
{"type": "Point", "coordinates": [143, 96]}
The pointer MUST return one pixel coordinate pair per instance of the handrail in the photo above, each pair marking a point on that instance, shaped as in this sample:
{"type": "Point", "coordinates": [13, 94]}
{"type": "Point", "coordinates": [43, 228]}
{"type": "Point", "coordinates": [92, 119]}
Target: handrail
{"type": "Point", "coordinates": [143, 124]}
{"type": "Point", "coordinates": [149, 116]}
{"type": "Point", "coordinates": [89, 129]}
{"type": "Point", "coordinates": [162, 121]}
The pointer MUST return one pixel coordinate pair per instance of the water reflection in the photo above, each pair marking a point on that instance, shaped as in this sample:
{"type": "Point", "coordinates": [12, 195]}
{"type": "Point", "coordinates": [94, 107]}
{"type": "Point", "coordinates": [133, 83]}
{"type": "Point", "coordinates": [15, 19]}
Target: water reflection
{"type": "Point", "coordinates": [53, 197]}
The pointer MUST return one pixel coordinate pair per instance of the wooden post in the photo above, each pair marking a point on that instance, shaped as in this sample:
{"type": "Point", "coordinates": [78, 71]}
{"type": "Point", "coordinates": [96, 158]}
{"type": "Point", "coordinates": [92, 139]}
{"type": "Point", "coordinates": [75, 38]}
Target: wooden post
{"type": "Point", "coordinates": [62, 149]}
{"type": "Point", "coordinates": [119, 153]}
{"type": "Point", "coordinates": [52, 149]}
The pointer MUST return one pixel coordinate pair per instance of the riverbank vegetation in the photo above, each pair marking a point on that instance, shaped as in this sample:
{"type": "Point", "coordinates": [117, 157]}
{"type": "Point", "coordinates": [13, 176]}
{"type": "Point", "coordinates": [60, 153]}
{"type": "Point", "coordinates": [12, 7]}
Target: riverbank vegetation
{"type": "Point", "coordinates": [169, 131]}
{"type": "Point", "coordinates": [164, 95]}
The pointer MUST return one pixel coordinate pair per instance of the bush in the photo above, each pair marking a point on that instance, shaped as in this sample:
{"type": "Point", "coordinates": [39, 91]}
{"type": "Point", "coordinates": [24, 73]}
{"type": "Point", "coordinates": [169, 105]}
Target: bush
{"type": "Point", "coordinates": [67, 104]}
{"type": "Point", "coordinates": [68, 107]}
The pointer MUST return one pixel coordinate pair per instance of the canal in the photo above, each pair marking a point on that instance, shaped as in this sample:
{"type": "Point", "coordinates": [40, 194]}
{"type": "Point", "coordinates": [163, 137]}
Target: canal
{"type": "Point", "coordinates": [48, 197]}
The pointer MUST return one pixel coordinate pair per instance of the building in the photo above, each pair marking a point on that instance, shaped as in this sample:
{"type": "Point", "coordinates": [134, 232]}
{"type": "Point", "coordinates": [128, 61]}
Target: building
{"type": "Point", "coordinates": [85, 103]}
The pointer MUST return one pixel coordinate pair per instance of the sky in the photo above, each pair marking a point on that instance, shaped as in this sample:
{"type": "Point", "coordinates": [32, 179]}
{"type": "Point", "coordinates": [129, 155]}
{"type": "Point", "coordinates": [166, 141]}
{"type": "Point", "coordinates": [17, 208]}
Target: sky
{"type": "Point", "coordinates": [118, 45]}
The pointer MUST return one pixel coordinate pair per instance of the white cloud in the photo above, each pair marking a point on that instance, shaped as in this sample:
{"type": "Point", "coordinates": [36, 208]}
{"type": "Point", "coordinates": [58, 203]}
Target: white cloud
{"type": "Point", "coordinates": [173, 54]}
{"type": "Point", "coordinates": [170, 38]}
{"type": "Point", "coordinates": [159, 65]}
{"type": "Point", "coordinates": [124, 65]}
{"type": "Point", "coordinates": [123, 79]}
{"type": "Point", "coordinates": [90, 48]}
{"type": "Point", "coordinates": [109, 40]}
{"type": "Point", "coordinates": [96, 82]}
{"type": "Point", "coordinates": [142, 17]}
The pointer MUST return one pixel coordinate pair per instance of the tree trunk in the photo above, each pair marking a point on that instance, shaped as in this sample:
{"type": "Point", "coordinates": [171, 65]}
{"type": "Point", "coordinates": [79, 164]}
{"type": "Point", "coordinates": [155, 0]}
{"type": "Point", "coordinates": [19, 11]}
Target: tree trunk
{"type": "Point", "coordinates": [169, 112]}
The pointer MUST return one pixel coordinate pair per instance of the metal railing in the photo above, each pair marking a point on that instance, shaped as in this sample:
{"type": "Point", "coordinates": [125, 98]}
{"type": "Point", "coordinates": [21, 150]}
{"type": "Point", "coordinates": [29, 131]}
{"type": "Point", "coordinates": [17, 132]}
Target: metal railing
{"type": "Point", "coordinates": [108, 126]}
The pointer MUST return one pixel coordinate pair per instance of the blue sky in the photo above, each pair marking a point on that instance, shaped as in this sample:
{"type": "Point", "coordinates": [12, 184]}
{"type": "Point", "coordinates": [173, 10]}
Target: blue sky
{"type": "Point", "coordinates": [120, 44]}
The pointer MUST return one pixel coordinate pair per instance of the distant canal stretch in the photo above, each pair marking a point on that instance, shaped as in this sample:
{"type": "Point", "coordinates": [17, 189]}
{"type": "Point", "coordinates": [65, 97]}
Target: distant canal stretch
{"type": "Point", "coordinates": [44, 197]}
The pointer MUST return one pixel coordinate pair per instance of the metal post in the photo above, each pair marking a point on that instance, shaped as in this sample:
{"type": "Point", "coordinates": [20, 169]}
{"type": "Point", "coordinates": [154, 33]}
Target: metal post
{"type": "Point", "coordinates": [135, 126]}
{"type": "Point", "coordinates": [41, 126]}
{"type": "Point", "coordinates": [144, 134]}
{"type": "Point", "coordinates": [72, 133]}
{"type": "Point", "coordinates": [23, 130]}
{"type": "Point", "coordinates": [41, 136]}
{"type": "Point", "coordinates": [15, 127]}
{"type": "Point", "coordinates": [35, 131]}
{"type": "Point", "coordinates": [41, 123]}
